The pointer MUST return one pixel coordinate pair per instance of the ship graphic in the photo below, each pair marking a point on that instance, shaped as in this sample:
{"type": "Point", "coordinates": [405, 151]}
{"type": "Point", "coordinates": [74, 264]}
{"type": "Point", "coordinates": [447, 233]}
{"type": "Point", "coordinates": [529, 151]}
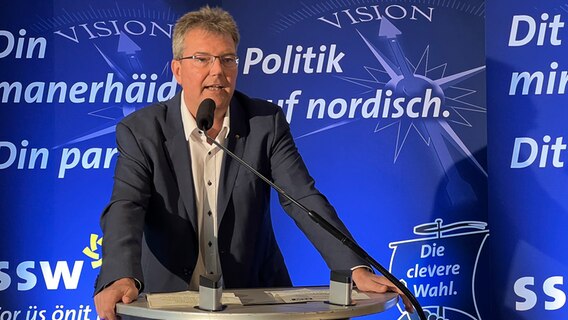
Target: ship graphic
{"type": "Point", "coordinates": [440, 267]}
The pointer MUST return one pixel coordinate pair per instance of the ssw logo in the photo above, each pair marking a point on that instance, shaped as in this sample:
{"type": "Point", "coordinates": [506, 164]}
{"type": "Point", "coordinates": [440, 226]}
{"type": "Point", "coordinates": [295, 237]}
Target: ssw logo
{"type": "Point", "coordinates": [27, 276]}
{"type": "Point", "coordinates": [526, 289]}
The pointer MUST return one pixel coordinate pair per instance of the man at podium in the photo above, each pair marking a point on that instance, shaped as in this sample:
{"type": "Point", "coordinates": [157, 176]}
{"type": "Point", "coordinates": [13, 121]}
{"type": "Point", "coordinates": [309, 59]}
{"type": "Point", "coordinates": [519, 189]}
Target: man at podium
{"type": "Point", "coordinates": [181, 207]}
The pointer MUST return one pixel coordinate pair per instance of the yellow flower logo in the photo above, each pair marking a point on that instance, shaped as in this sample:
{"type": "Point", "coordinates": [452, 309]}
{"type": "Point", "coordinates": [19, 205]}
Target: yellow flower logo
{"type": "Point", "coordinates": [91, 250]}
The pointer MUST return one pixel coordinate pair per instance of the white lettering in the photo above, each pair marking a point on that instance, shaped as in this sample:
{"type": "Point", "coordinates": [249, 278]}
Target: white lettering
{"type": "Point", "coordinates": [113, 27]}
{"type": "Point", "coordinates": [20, 43]}
{"type": "Point", "coordinates": [426, 106]}
{"type": "Point", "coordinates": [52, 278]}
{"type": "Point", "coordinates": [5, 279]}
{"type": "Point", "coordinates": [82, 92]}
{"type": "Point", "coordinates": [550, 289]}
{"type": "Point", "coordinates": [90, 159]}
{"type": "Point", "coordinates": [519, 161]}
{"type": "Point", "coordinates": [312, 62]}
{"type": "Point", "coordinates": [348, 17]}
{"type": "Point", "coordinates": [29, 278]}
{"type": "Point", "coordinates": [516, 40]}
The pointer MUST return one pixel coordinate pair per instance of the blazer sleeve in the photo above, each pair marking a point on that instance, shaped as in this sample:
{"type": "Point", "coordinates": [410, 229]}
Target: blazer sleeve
{"type": "Point", "coordinates": [289, 172]}
{"type": "Point", "coordinates": [122, 221]}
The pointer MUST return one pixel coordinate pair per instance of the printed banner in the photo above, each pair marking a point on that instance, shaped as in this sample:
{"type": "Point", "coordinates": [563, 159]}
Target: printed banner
{"type": "Point", "coordinates": [527, 75]}
{"type": "Point", "coordinates": [386, 101]}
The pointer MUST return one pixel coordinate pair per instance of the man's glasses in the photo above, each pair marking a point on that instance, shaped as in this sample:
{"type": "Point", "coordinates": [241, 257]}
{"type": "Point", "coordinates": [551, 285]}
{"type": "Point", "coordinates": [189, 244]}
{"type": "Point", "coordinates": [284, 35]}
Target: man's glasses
{"type": "Point", "coordinates": [228, 61]}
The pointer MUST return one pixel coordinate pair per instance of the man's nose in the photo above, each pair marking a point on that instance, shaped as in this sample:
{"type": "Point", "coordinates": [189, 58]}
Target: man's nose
{"type": "Point", "coordinates": [216, 66]}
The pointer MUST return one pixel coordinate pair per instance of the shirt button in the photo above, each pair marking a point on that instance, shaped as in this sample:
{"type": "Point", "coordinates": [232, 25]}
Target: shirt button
{"type": "Point", "coordinates": [209, 153]}
{"type": "Point", "coordinates": [209, 213]}
{"type": "Point", "coordinates": [210, 243]}
{"type": "Point", "coordinates": [209, 183]}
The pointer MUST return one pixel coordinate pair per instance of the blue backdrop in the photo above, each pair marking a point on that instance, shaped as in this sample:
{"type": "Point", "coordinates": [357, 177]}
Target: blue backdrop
{"type": "Point", "coordinates": [526, 65]}
{"type": "Point", "coordinates": [386, 100]}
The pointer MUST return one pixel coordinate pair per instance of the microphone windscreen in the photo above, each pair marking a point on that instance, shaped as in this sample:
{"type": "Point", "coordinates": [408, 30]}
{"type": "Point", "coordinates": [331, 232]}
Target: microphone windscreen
{"type": "Point", "coordinates": [205, 114]}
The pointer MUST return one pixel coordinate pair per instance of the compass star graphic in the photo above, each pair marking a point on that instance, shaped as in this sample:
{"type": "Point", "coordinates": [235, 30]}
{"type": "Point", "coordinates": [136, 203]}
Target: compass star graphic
{"type": "Point", "coordinates": [408, 81]}
{"type": "Point", "coordinates": [122, 38]}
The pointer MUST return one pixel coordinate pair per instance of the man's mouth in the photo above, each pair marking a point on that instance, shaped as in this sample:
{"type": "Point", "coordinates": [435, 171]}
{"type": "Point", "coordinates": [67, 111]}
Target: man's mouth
{"type": "Point", "coordinates": [214, 87]}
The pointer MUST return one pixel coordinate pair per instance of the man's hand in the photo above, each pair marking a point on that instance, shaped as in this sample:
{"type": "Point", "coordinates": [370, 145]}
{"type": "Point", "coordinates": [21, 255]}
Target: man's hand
{"type": "Point", "coordinates": [122, 290]}
{"type": "Point", "coordinates": [365, 280]}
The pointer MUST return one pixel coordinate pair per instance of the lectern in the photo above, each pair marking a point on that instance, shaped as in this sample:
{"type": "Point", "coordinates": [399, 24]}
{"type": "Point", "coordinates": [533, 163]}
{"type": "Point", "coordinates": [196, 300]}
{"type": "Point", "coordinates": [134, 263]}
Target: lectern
{"type": "Point", "coordinates": [257, 304]}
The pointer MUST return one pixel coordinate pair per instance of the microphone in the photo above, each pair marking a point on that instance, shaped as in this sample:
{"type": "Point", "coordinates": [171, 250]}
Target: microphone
{"type": "Point", "coordinates": [204, 120]}
{"type": "Point", "coordinates": [205, 114]}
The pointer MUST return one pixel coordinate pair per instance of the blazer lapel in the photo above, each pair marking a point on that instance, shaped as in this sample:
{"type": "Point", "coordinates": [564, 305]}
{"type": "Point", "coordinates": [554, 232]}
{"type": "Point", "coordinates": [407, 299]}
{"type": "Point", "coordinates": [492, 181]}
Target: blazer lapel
{"type": "Point", "coordinates": [235, 143]}
{"type": "Point", "coordinates": [177, 149]}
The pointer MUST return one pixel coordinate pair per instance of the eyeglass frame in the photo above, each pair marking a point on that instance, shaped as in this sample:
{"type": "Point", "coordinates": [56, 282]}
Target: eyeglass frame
{"type": "Point", "coordinates": [196, 57]}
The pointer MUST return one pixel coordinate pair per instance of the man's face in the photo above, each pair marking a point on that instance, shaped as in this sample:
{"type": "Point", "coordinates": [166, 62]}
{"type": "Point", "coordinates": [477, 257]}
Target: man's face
{"type": "Point", "coordinates": [206, 81]}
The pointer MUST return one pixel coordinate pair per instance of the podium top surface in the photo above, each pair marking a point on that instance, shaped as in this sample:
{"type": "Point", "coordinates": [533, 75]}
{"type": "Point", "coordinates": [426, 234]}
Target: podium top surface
{"type": "Point", "coordinates": [257, 304]}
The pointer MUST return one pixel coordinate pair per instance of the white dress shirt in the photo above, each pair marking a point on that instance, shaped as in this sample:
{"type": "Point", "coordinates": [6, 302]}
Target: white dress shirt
{"type": "Point", "coordinates": [206, 161]}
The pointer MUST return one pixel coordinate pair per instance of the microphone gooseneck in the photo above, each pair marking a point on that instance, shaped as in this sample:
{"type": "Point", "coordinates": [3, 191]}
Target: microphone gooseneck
{"type": "Point", "coordinates": [204, 120]}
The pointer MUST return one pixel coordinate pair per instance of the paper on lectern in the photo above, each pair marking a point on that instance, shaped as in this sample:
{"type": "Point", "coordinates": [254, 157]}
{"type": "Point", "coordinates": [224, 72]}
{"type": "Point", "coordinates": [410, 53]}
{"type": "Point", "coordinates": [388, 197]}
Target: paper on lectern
{"type": "Point", "coordinates": [185, 299]}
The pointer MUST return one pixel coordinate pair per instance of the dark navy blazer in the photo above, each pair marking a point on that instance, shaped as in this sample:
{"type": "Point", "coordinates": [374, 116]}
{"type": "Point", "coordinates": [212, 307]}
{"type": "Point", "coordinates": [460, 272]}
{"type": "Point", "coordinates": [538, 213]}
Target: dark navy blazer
{"type": "Point", "coordinates": [150, 224]}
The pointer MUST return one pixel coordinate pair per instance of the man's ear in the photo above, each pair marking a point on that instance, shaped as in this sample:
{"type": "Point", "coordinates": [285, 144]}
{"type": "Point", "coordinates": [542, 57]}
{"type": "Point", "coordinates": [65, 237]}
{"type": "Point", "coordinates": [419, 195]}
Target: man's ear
{"type": "Point", "coordinates": [176, 70]}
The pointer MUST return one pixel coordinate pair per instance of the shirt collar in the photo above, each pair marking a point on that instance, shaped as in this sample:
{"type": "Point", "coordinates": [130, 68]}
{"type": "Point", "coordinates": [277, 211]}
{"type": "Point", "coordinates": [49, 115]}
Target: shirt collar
{"type": "Point", "coordinates": [190, 125]}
